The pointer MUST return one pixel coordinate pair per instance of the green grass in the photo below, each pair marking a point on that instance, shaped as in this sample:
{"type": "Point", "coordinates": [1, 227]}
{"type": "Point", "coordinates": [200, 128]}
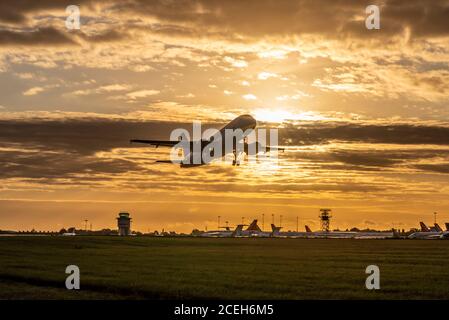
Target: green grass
{"type": "Point", "coordinates": [193, 268]}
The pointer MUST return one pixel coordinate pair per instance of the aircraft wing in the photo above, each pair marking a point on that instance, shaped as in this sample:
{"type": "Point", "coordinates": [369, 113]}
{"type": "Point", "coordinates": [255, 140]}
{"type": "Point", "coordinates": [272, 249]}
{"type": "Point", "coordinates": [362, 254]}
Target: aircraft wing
{"type": "Point", "coordinates": [156, 143]}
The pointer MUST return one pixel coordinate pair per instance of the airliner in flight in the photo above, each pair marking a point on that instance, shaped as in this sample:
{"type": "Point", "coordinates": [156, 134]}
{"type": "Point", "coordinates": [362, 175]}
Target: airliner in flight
{"type": "Point", "coordinates": [243, 123]}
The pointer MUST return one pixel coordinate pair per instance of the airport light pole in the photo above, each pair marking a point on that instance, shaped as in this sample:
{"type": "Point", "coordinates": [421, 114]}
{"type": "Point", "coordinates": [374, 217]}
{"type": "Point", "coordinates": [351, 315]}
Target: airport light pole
{"type": "Point", "coordinates": [435, 217]}
{"type": "Point", "coordinates": [263, 221]}
{"type": "Point", "coordinates": [218, 226]}
{"type": "Point", "coordinates": [297, 223]}
{"type": "Point", "coordinates": [280, 220]}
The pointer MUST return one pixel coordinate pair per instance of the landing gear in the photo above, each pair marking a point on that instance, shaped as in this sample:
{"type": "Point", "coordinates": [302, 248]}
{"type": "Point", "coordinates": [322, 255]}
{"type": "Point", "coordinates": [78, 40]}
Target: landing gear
{"type": "Point", "coordinates": [235, 161]}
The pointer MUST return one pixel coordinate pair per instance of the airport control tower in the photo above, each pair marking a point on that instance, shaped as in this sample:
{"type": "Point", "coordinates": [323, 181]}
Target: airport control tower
{"type": "Point", "coordinates": [325, 217]}
{"type": "Point", "coordinates": [124, 224]}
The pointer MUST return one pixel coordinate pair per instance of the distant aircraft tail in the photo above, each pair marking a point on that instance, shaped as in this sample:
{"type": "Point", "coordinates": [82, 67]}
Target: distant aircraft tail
{"type": "Point", "coordinates": [253, 226]}
{"type": "Point", "coordinates": [238, 230]}
{"type": "Point", "coordinates": [438, 228]}
{"type": "Point", "coordinates": [447, 226]}
{"type": "Point", "coordinates": [308, 229]}
{"type": "Point", "coordinates": [275, 230]}
{"type": "Point", "coordinates": [424, 227]}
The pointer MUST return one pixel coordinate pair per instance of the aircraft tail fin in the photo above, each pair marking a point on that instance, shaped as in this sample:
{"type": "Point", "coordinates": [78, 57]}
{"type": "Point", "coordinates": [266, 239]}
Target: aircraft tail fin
{"type": "Point", "coordinates": [447, 226]}
{"type": "Point", "coordinates": [238, 230]}
{"type": "Point", "coordinates": [424, 227]}
{"type": "Point", "coordinates": [438, 228]}
{"type": "Point", "coordinates": [275, 230]}
{"type": "Point", "coordinates": [253, 226]}
{"type": "Point", "coordinates": [308, 229]}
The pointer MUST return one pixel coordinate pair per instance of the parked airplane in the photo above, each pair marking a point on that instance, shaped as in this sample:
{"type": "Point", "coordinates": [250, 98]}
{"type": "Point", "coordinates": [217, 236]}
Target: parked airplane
{"type": "Point", "coordinates": [276, 232]}
{"type": "Point", "coordinates": [430, 233]}
{"type": "Point", "coordinates": [223, 233]}
{"type": "Point", "coordinates": [253, 230]}
{"type": "Point", "coordinates": [331, 234]}
{"type": "Point", "coordinates": [310, 234]}
{"type": "Point", "coordinates": [243, 122]}
{"type": "Point", "coordinates": [374, 235]}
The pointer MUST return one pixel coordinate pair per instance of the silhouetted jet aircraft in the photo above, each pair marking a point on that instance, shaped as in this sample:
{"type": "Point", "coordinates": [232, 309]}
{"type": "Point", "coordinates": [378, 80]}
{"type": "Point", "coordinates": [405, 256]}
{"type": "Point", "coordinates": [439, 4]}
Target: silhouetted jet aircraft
{"type": "Point", "coordinates": [243, 122]}
{"type": "Point", "coordinates": [430, 233]}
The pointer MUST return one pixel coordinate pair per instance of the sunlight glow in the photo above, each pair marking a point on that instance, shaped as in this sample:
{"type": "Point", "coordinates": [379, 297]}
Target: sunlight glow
{"type": "Point", "coordinates": [279, 115]}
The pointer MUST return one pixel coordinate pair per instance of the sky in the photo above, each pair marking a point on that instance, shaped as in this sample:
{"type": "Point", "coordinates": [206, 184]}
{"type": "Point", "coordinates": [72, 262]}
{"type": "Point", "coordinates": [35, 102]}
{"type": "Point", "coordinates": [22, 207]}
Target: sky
{"type": "Point", "coordinates": [363, 114]}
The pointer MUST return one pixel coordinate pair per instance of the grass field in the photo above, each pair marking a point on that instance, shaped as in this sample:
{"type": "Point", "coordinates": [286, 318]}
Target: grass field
{"type": "Point", "coordinates": [191, 268]}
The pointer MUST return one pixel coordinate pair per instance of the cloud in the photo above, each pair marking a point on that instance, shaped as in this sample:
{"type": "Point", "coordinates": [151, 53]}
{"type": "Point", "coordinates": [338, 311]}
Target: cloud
{"type": "Point", "coordinates": [249, 96]}
{"type": "Point", "coordinates": [103, 89]}
{"type": "Point", "coordinates": [394, 134]}
{"type": "Point", "coordinates": [188, 95]}
{"type": "Point", "coordinates": [142, 94]}
{"type": "Point", "coordinates": [266, 75]}
{"type": "Point", "coordinates": [196, 18]}
{"type": "Point", "coordinates": [285, 17]}
{"type": "Point", "coordinates": [39, 37]}
{"type": "Point", "coordinates": [440, 168]}
{"type": "Point", "coordinates": [16, 11]}
{"type": "Point", "coordinates": [114, 87]}
{"type": "Point", "coordinates": [33, 91]}
{"type": "Point", "coordinates": [236, 63]}
{"type": "Point", "coordinates": [104, 36]}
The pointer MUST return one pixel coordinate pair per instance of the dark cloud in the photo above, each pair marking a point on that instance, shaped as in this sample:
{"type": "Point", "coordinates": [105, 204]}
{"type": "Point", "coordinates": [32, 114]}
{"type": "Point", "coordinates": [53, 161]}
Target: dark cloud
{"type": "Point", "coordinates": [53, 149]}
{"type": "Point", "coordinates": [66, 149]}
{"type": "Point", "coordinates": [51, 36]}
{"type": "Point", "coordinates": [82, 137]}
{"type": "Point", "coordinates": [440, 168]}
{"type": "Point", "coordinates": [43, 36]}
{"type": "Point", "coordinates": [41, 165]}
{"type": "Point", "coordinates": [398, 134]}
{"type": "Point", "coordinates": [376, 159]}
{"type": "Point", "coordinates": [15, 11]}
{"type": "Point", "coordinates": [260, 18]}
{"type": "Point", "coordinates": [89, 136]}
{"type": "Point", "coordinates": [371, 160]}
{"type": "Point", "coordinates": [424, 18]}
{"type": "Point", "coordinates": [285, 17]}
{"type": "Point", "coordinates": [109, 35]}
